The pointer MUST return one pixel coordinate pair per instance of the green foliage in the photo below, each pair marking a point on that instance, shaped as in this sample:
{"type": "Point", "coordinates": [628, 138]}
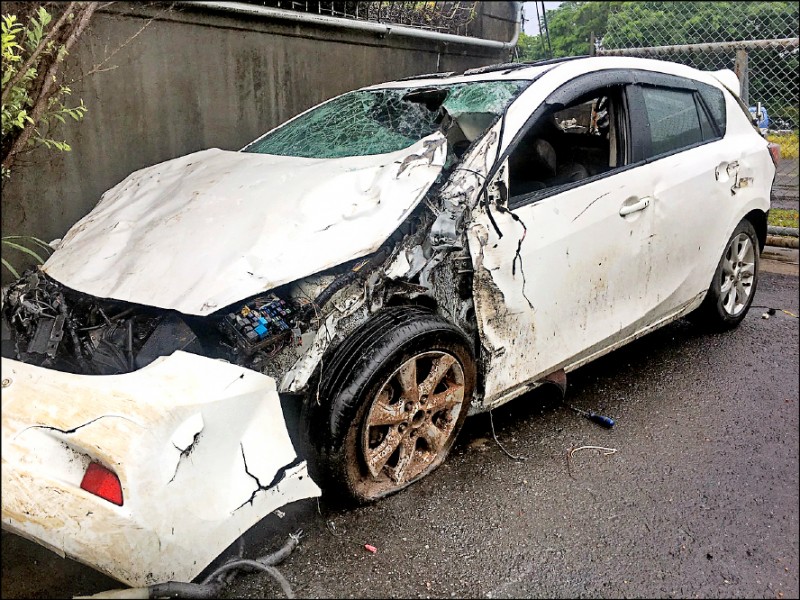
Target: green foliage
{"type": "Point", "coordinates": [571, 27]}
{"type": "Point", "coordinates": [783, 218]}
{"type": "Point", "coordinates": [530, 48]}
{"type": "Point", "coordinates": [773, 74]}
{"type": "Point", "coordinates": [24, 244]}
{"type": "Point", "coordinates": [26, 46]}
{"type": "Point", "coordinates": [645, 24]}
{"type": "Point", "coordinates": [572, 24]}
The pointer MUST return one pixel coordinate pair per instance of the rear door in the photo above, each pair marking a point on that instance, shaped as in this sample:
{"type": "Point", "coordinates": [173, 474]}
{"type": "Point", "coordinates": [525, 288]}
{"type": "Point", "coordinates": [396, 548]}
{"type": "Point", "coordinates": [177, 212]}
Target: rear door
{"type": "Point", "coordinates": [697, 180]}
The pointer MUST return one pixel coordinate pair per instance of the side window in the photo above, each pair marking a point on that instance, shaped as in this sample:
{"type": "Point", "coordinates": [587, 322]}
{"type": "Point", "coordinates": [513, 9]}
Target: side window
{"type": "Point", "coordinates": [673, 117]}
{"type": "Point", "coordinates": [715, 102]}
{"type": "Point", "coordinates": [569, 143]}
{"type": "Point", "coordinates": [708, 130]}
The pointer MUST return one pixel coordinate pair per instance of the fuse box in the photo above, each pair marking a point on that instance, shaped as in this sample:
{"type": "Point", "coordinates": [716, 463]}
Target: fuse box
{"type": "Point", "coordinates": [262, 322]}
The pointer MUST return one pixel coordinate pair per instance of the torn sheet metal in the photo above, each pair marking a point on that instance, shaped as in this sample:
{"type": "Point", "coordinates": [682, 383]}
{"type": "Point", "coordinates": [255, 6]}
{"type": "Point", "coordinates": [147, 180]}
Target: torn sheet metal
{"type": "Point", "coordinates": [296, 378]}
{"type": "Point", "coordinates": [222, 226]}
{"type": "Point", "coordinates": [199, 445]}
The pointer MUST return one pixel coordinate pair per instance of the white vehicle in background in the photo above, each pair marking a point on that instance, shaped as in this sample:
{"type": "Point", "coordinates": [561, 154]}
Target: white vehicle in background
{"type": "Point", "coordinates": [383, 264]}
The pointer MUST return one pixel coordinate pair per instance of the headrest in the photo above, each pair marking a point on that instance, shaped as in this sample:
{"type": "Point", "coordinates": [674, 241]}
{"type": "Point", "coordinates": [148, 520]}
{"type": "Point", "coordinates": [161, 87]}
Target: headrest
{"type": "Point", "coordinates": [544, 157]}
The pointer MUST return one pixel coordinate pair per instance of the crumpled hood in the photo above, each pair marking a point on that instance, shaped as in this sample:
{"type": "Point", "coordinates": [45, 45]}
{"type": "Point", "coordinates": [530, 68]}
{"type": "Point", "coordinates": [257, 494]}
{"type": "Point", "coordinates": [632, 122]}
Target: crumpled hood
{"type": "Point", "coordinates": [204, 230]}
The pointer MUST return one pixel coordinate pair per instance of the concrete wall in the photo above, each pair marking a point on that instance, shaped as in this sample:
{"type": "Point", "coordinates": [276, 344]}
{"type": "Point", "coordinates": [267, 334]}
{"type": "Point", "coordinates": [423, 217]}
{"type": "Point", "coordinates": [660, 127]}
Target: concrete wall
{"type": "Point", "coordinates": [195, 78]}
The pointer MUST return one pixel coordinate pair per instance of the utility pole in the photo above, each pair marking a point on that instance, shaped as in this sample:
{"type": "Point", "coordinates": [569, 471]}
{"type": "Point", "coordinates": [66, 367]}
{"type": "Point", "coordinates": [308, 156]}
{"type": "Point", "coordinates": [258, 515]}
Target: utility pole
{"type": "Point", "coordinates": [547, 30]}
{"type": "Point", "coordinates": [539, 24]}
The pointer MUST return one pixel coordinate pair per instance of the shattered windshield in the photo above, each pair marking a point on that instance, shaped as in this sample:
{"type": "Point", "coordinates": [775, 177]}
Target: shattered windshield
{"type": "Point", "coordinates": [384, 120]}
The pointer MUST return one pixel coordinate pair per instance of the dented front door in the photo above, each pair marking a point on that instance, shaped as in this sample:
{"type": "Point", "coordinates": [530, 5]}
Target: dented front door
{"type": "Point", "coordinates": [570, 274]}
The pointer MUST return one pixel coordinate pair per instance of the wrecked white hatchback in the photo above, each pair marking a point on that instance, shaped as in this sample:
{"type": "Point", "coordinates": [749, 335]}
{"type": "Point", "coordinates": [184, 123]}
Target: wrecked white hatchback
{"type": "Point", "coordinates": [383, 264]}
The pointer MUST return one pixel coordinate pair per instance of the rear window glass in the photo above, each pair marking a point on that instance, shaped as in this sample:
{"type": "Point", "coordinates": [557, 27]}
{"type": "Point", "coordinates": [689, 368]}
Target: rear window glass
{"type": "Point", "coordinates": [385, 120]}
{"type": "Point", "coordinates": [673, 118]}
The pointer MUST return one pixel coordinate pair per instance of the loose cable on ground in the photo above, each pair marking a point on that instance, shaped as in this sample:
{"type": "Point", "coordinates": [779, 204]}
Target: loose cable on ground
{"type": "Point", "coordinates": [572, 451]}
{"type": "Point", "coordinates": [494, 435]}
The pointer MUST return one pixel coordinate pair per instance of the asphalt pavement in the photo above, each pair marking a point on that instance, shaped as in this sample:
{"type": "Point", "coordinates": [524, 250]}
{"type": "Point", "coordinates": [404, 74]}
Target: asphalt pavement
{"type": "Point", "coordinates": [698, 499]}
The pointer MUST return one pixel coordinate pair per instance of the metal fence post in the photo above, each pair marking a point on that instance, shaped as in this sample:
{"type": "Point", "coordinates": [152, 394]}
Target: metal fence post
{"type": "Point", "coordinates": [740, 68]}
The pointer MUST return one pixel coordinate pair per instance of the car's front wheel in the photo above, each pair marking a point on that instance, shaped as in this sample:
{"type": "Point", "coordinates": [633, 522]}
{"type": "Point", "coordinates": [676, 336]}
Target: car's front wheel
{"type": "Point", "coordinates": [734, 285]}
{"type": "Point", "coordinates": [390, 403]}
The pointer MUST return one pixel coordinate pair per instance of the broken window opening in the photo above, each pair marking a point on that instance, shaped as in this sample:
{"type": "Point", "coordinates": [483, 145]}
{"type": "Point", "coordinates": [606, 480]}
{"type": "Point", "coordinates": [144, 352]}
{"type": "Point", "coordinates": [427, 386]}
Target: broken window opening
{"type": "Point", "coordinates": [382, 121]}
{"type": "Point", "coordinates": [570, 143]}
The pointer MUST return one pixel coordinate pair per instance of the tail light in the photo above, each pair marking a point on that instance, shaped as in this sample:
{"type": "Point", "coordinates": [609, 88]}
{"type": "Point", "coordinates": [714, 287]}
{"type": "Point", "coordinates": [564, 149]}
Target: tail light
{"type": "Point", "coordinates": [775, 153]}
{"type": "Point", "coordinates": [103, 483]}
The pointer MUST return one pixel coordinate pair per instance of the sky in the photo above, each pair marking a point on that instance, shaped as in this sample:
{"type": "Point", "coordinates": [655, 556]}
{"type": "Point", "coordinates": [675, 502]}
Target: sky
{"type": "Point", "coordinates": [529, 14]}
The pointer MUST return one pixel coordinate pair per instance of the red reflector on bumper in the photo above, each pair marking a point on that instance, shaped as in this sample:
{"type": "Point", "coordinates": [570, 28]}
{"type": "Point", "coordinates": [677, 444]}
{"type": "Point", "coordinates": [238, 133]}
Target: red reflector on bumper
{"type": "Point", "coordinates": [101, 482]}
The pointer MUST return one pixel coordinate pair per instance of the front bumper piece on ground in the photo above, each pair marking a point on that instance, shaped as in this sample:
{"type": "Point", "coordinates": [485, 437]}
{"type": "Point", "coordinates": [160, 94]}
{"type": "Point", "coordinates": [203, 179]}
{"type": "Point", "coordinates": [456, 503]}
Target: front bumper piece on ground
{"type": "Point", "coordinates": [200, 448]}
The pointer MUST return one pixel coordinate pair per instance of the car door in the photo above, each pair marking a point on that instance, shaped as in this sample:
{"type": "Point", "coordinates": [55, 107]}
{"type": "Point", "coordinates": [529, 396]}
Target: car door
{"type": "Point", "coordinates": [564, 271]}
{"type": "Point", "coordinates": [694, 179]}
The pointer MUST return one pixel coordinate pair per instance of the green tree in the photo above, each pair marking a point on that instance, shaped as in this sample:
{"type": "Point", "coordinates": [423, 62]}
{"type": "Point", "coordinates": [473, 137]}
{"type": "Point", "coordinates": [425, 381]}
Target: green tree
{"type": "Point", "coordinates": [34, 94]}
{"type": "Point", "coordinates": [572, 24]}
{"type": "Point", "coordinates": [530, 48]}
{"type": "Point", "coordinates": [645, 24]}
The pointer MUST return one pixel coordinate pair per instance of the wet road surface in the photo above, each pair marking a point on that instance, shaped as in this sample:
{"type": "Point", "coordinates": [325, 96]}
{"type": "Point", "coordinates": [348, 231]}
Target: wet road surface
{"type": "Point", "coordinates": [700, 498]}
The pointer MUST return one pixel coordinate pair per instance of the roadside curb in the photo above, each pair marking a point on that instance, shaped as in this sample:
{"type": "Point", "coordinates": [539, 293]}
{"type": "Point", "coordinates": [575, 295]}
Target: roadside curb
{"type": "Point", "coordinates": [782, 241]}
{"type": "Point", "coordinates": [783, 261]}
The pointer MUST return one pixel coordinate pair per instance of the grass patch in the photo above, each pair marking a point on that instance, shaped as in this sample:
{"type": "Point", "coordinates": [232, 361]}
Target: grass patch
{"type": "Point", "coordinates": [781, 217]}
{"type": "Point", "coordinates": [787, 142]}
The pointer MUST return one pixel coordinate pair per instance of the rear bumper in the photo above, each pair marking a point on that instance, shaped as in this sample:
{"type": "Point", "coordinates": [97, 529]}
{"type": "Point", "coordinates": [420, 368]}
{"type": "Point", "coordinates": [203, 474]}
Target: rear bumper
{"type": "Point", "coordinates": [199, 445]}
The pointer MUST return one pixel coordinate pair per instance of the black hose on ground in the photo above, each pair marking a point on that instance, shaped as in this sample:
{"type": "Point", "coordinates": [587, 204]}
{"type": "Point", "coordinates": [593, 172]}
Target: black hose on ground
{"type": "Point", "coordinates": [212, 585]}
{"type": "Point", "coordinates": [178, 589]}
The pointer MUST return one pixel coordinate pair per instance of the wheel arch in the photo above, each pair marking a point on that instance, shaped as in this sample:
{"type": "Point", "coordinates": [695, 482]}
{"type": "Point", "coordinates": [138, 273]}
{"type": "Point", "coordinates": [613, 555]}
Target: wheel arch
{"type": "Point", "coordinates": [334, 397]}
{"type": "Point", "coordinates": [758, 219]}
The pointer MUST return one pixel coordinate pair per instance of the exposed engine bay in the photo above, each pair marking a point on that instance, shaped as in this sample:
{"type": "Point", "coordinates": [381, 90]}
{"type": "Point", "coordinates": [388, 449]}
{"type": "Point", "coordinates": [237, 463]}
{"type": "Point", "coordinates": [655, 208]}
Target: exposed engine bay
{"type": "Point", "coordinates": [50, 325]}
{"type": "Point", "coordinates": [47, 324]}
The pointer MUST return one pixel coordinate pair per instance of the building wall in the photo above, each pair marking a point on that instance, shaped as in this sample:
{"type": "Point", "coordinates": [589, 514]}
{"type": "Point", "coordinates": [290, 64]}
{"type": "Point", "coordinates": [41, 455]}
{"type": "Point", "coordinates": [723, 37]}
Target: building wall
{"type": "Point", "coordinates": [170, 82]}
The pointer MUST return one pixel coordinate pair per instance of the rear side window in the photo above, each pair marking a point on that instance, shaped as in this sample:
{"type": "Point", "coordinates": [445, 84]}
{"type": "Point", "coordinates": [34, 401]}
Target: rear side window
{"type": "Point", "coordinates": [673, 117]}
{"type": "Point", "coordinates": [709, 133]}
{"type": "Point", "coordinates": [715, 102]}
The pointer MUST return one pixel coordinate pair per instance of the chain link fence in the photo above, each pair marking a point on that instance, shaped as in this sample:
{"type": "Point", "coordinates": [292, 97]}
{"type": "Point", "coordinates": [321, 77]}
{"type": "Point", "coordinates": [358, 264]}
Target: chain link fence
{"type": "Point", "coordinates": [757, 40]}
{"type": "Point", "coordinates": [454, 18]}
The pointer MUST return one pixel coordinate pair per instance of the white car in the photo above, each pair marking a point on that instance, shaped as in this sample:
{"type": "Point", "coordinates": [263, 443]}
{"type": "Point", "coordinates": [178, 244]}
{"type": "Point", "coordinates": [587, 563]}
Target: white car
{"type": "Point", "coordinates": [384, 264]}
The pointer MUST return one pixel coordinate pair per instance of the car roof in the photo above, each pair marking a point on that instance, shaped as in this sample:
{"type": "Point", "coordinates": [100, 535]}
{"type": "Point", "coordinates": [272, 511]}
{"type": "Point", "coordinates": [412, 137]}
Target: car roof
{"type": "Point", "coordinates": [531, 71]}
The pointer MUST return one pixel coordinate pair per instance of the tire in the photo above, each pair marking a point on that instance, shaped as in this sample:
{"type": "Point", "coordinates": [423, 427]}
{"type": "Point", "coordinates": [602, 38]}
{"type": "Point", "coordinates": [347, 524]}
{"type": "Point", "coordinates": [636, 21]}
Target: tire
{"type": "Point", "coordinates": [734, 285]}
{"type": "Point", "coordinates": [388, 404]}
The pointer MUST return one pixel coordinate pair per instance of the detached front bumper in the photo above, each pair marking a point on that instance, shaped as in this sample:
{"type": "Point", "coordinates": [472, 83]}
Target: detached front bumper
{"type": "Point", "coordinates": [199, 445]}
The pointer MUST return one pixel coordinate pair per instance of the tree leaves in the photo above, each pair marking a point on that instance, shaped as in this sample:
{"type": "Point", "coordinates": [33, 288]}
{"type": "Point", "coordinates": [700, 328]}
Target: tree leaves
{"type": "Point", "coordinates": [33, 99]}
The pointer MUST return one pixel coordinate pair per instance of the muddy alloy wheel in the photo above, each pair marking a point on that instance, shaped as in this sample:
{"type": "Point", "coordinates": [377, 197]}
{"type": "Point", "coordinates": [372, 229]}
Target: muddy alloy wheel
{"type": "Point", "coordinates": [392, 399]}
{"type": "Point", "coordinates": [410, 422]}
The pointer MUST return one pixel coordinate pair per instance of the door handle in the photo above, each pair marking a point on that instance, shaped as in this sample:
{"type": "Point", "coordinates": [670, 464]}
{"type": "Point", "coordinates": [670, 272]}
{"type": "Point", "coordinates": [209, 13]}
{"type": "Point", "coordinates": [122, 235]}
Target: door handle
{"type": "Point", "coordinates": [627, 208]}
